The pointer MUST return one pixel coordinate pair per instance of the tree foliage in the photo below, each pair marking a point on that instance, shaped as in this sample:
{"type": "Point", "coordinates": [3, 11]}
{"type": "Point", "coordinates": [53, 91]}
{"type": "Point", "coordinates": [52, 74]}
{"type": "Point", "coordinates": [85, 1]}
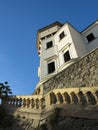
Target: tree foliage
{"type": "Point", "coordinates": [4, 90]}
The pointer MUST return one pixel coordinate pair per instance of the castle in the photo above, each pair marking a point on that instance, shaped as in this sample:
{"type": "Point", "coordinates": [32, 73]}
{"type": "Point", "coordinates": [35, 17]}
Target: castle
{"type": "Point", "coordinates": [68, 73]}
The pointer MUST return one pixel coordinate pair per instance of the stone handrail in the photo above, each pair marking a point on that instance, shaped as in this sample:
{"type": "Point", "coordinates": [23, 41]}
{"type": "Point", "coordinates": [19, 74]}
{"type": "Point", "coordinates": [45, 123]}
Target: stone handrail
{"type": "Point", "coordinates": [83, 95]}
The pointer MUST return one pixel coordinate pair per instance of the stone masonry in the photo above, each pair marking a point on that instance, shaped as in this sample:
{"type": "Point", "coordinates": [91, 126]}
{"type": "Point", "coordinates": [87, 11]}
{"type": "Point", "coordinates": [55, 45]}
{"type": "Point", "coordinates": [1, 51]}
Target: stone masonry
{"type": "Point", "coordinates": [74, 91]}
{"type": "Point", "coordinates": [80, 74]}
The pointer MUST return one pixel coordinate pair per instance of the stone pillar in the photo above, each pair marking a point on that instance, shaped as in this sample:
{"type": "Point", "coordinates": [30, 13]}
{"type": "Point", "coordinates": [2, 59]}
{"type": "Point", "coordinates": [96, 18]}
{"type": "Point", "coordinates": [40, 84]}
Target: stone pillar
{"type": "Point", "coordinates": [58, 99]}
{"type": "Point", "coordinates": [24, 102]}
{"type": "Point", "coordinates": [42, 103]}
{"type": "Point", "coordinates": [47, 100]}
{"type": "Point", "coordinates": [78, 98]}
{"type": "Point", "coordinates": [87, 99]}
{"type": "Point", "coordinates": [96, 93]}
{"type": "Point", "coordinates": [71, 100]}
{"type": "Point", "coordinates": [96, 98]}
{"type": "Point", "coordinates": [28, 103]}
{"type": "Point", "coordinates": [32, 103]}
{"type": "Point", "coordinates": [64, 100]}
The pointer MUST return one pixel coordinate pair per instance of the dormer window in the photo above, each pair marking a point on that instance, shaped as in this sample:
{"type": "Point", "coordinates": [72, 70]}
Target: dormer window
{"type": "Point", "coordinates": [49, 44]}
{"type": "Point", "coordinates": [90, 37]}
{"type": "Point", "coordinates": [62, 35]}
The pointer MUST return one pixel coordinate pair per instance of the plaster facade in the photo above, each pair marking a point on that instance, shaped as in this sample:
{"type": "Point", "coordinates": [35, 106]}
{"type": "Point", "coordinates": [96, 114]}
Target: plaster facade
{"type": "Point", "coordinates": [60, 43]}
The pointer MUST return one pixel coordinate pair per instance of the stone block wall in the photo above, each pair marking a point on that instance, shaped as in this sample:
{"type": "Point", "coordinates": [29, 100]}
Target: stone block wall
{"type": "Point", "coordinates": [80, 74]}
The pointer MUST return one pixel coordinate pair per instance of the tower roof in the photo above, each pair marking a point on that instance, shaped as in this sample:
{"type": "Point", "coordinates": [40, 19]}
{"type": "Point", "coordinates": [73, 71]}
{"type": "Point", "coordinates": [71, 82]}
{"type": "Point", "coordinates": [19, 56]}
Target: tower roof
{"type": "Point", "coordinates": [45, 28]}
{"type": "Point", "coordinates": [50, 26]}
{"type": "Point", "coordinates": [90, 26]}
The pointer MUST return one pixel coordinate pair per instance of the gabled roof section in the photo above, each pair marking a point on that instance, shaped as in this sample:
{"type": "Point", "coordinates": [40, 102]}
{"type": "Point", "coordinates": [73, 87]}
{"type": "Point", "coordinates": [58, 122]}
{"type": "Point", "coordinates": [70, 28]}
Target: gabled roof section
{"type": "Point", "coordinates": [50, 26]}
{"type": "Point", "coordinates": [89, 27]}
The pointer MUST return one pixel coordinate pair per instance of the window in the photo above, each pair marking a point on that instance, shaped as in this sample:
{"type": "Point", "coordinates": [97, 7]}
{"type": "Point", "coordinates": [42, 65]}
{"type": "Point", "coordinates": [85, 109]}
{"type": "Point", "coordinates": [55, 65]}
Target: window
{"type": "Point", "coordinates": [62, 35]}
{"type": "Point", "coordinates": [90, 37]}
{"type": "Point", "coordinates": [43, 38]}
{"type": "Point", "coordinates": [66, 56]}
{"type": "Point", "coordinates": [54, 33]}
{"type": "Point", "coordinates": [48, 36]}
{"type": "Point", "coordinates": [51, 67]}
{"type": "Point", "coordinates": [49, 44]}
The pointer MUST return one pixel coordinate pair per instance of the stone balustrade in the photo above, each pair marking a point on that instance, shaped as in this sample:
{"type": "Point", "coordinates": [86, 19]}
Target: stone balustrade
{"type": "Point", "coordinates": [82, 96]}
{"type": "Point", "coordinates": [33, 101]}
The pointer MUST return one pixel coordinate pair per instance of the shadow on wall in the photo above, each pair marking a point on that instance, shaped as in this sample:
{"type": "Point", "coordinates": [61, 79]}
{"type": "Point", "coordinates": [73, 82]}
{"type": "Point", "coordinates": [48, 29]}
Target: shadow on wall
{"type": "Point", "coordinates": [15, 105]}
{"type": "Point", "coordinates": [9, 122]}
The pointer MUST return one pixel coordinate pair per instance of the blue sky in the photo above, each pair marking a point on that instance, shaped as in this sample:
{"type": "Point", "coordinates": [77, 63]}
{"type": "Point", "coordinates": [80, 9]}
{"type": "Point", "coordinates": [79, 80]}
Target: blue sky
{"type": "Point", "coordinates": [19, 22]}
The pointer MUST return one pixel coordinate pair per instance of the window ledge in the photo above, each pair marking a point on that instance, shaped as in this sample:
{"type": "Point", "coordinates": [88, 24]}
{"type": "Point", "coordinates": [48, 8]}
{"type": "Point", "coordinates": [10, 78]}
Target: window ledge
{"type": "Point", "coordinates": [92, 40]}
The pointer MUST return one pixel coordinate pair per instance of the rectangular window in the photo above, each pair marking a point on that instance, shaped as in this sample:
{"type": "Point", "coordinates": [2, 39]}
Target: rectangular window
{"type": "Point", "coordinates": [90, 37]}
{"type": "Point", "coordinates": [62, 35]}
{"type": "Point", "coordinates": [51, 67]}
{"type": "Point", "coordinates": [49, 44]}
{"type": "Point", "coordinates": [48, 36]}
{"type": "Point", "coordinates": [43, 38]}
{"type": "Point", "coordinates": [66, 56]}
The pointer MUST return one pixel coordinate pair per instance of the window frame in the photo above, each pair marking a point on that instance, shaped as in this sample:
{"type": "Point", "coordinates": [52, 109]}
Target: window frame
{"type": "Point", "coordinates": [61, 35]}
{"type": "Point", "coordinates": [66, 56]}
{"type": "Point", "coordinates": [90, 37]}
{"type": "Point", "coordinates": [51, 67]}
{"type": "Point", "coordinates": [49, 44]}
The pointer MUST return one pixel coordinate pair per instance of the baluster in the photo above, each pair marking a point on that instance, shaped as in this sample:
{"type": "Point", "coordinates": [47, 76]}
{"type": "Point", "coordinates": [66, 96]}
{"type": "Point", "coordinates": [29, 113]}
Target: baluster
{"type": "Point", "coordinates": [64, 99]}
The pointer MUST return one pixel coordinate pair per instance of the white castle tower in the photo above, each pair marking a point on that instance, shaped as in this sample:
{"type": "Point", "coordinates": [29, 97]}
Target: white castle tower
{"type": "Point", "coordinates": [59, 45]}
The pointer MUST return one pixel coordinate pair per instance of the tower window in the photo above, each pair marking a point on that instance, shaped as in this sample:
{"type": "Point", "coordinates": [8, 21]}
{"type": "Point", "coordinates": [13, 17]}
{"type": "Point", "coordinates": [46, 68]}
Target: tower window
{"type": "Point", "coordinates": [43, 38]}
{"type": "Point", "coordinates": [49, 44]}
{"type": "Point", "coordinates": [48, 36]}
{"type": "Point", "coordinates": [66, 56]}
{"type": "Point", "coordinates": [51, 67]}
{"type": "Point", "coordinates": [90, 37]}
{"type": "Point", "coordinates": [62, 35]}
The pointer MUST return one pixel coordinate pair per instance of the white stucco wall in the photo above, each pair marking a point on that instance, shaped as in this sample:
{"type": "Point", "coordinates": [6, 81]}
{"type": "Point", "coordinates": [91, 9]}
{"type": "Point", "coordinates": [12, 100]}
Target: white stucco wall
{"type": "Point", "coordinates": [67, 43]}
{"type": "Point", "coordinates": [73, 41]}
{"type": "Point", "coordinates": [49, 31]}
{"type": "Point", "coordinates": [78, 41]}
{"type": "Point", "coordinates": [47, 55]}
{"type": "Point", "coordinates": [93, 44]}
